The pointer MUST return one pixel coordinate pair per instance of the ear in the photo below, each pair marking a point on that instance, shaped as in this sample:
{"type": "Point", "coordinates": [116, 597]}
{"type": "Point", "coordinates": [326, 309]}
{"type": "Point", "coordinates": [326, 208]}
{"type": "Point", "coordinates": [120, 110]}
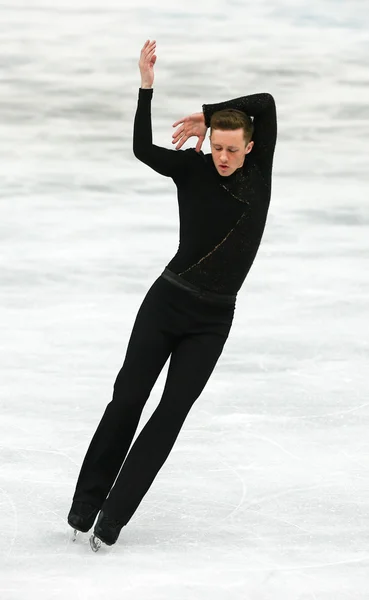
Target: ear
{"type": "Point", "coordinates": [249, 147]}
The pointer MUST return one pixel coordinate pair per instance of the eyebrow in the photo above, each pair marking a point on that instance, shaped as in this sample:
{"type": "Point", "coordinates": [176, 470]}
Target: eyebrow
{"type": "Point", "coordinates": [229, 147]}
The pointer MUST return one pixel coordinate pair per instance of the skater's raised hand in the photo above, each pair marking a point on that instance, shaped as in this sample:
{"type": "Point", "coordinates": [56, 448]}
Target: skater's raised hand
{"type": "Point", "coordinates": [146, 64]}
{"type": "Point", "coordinates": [193, 125]}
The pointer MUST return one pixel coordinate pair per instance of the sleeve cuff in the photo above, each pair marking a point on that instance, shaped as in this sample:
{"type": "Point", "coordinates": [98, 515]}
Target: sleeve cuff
{"type": "Point", "coordinates": [145, 91]}
{"type": "Point", "coordinates": [207, 115]}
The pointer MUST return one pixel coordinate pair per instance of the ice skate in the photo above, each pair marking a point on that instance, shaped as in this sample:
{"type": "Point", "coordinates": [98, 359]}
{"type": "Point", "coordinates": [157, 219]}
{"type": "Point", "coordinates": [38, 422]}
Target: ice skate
{"type": "Point", "coordinates": [81, 517]}
{"type": "Point", "coordinates": [106, 530]}
{"type": "Point", "coordinates": [95, 543]}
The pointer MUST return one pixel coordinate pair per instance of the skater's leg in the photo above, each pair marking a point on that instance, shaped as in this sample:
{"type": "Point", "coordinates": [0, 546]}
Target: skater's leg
{"type": "Point", "coordinates": [191, 365]}
{"type": "Point", "coordinates": [148, 349]}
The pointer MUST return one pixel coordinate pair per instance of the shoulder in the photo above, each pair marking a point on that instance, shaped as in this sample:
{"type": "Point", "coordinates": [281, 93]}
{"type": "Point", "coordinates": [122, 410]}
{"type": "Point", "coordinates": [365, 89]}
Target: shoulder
{"type": "Point", "coordinates": [192, 154]}
{"type": "Point", "coordinates": [194, 165]}
{"type": "Point", "coordinates": [194, 158]}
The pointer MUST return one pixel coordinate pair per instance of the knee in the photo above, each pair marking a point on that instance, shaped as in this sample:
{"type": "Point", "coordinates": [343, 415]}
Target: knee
{"type": "Point", "coordinates": [128, 395]}
{"type": "Point", "coordinates": [175, 409]}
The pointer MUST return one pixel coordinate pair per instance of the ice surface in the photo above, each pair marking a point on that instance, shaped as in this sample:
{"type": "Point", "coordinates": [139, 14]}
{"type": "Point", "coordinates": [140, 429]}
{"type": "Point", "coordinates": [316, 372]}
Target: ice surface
{"type": "Point", "coordinates": [265, 495]}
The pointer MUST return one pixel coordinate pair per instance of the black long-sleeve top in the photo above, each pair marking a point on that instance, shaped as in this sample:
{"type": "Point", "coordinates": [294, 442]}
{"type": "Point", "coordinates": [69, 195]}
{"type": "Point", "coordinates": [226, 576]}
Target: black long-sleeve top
{"type": "Point", "coordinates": [222, 218]}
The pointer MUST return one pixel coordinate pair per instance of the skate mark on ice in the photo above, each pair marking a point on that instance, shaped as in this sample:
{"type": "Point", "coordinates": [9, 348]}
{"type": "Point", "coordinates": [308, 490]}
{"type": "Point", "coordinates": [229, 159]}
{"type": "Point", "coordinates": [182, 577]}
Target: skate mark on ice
{"type": "Point", "coordinates": [208, 500]}
{"type": "Point", "coordinates": [45, 481]}
{"type": "Point", "coordinates": [281, 520]}
{"type": "Point", "coordinates": [163, 505]}
{"type": "Point", "coordinates": [331, 414]}
{"type": "Point", "coordinates": [271, 576]}
{"type": "Point", "coordinates": [358, 463]}
{"type": "Point", "coordinates": [288, 492]}
{"type": "Point", "coordinates": [17, 426]}
{"type": "Point", "coordinates": [274, 443]}
{"type": "Point", "coordinates": [73, 447]}
{"type": "Point", "coordinates": [356, 460]}
{"type": "Point", "coordinates": [41, 451]}
{"type": "Point", "coordinates": [150, 509]}
{"type": "Point", "coordinates": [15, 521]}
{"type": "Point", "coordinates": [349, 561]}
{"type": "Point", "coordinates": [234, 508]}
{"type": "Point", "coordinates": [232, 470]}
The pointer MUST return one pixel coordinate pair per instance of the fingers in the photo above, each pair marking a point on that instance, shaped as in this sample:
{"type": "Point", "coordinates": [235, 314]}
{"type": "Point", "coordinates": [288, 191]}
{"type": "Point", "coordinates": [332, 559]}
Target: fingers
{"type": "Point", "coordinates": [148, 44]}
{"type": "Point", "coordinates": [199, 143]}
{"type": "Point", "coordinates": [177, 139]}
{"type": "Point", "coordinates": [183, 139]}
{"type": "Point", "coordinates": [148, 51]}
{"type": "Point", "coordinates": [177, 133]}
{"type": "Point", "coordinates": [180, 121]}
{"type": "Point", "coordinates": [180, 138]}
{"type": "Point", "coordinates": [148, 48]}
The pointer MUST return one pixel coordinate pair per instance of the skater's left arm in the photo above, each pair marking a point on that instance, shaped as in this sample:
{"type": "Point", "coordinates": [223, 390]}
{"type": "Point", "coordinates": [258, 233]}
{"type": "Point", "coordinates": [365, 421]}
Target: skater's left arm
{"type": "Point", "coordinates": [263, 110]}
{"type": "Point", "coordinates": [259, 106]}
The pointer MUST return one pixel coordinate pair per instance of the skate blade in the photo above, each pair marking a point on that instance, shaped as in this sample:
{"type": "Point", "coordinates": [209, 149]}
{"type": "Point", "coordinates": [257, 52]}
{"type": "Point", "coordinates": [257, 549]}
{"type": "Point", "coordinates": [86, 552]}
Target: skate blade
{"type": "Point", "coordinates": [95, 543]}
{"type": "Point", "coordinates": [75, 533]}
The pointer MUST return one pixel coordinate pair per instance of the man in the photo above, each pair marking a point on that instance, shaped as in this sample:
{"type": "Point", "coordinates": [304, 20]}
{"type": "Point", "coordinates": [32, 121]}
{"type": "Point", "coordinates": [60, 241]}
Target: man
{"type": "Point", "coordinates": [187, 313]}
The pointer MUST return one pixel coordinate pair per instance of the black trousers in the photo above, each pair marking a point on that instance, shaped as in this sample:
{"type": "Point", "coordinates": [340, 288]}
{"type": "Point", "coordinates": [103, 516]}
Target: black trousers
{"type": "Point", "coordinates": [189, 326]}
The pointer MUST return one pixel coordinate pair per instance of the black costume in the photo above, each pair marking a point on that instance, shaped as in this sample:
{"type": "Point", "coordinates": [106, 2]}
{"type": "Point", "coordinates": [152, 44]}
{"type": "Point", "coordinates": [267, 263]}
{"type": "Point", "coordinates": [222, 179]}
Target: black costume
{"type": "Point", "coordinates": [188, 311]}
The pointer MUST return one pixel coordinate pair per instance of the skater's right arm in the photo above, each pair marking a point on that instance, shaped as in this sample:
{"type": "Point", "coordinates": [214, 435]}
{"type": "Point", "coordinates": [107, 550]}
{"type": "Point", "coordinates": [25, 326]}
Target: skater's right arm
{"type": "Point", "coordinates": [171, 163]}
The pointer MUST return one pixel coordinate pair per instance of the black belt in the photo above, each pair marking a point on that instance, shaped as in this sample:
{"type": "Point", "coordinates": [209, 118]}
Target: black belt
{"type": "Point", "coordinates": [205, 294]}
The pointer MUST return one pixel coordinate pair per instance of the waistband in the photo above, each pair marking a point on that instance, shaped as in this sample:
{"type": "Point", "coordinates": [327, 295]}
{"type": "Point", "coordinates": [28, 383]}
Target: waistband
{"type": "Point", "coordinates": [204, 294]}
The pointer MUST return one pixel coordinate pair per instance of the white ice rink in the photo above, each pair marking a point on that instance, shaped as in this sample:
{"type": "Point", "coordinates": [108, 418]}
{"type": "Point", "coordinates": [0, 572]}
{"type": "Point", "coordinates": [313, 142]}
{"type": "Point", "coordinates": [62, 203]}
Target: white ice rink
{"type": "Point", "coordinates": [266, 493]}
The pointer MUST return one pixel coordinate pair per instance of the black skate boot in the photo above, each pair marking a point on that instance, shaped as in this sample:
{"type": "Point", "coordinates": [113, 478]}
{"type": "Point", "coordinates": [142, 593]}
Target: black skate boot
{"type": "Point", "coordinates": [106, 530]}
{"type": "Point", "coordinates": [82, 516]}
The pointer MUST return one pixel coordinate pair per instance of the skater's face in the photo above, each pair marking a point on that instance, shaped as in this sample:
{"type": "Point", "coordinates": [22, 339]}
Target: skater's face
{"type": "Point", "coordinates": [229, 149]}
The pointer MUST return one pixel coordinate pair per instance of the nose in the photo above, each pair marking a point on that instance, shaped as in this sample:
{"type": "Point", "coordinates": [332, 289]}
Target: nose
{"type": "Point", "coordinates": [223, 157]}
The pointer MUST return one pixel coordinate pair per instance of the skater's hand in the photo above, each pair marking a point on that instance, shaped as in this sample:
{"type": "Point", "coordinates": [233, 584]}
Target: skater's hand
{"type": "Point", "coordinates": [193, 125]}
{"type": "Point", "coordinates": [146, 64]}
